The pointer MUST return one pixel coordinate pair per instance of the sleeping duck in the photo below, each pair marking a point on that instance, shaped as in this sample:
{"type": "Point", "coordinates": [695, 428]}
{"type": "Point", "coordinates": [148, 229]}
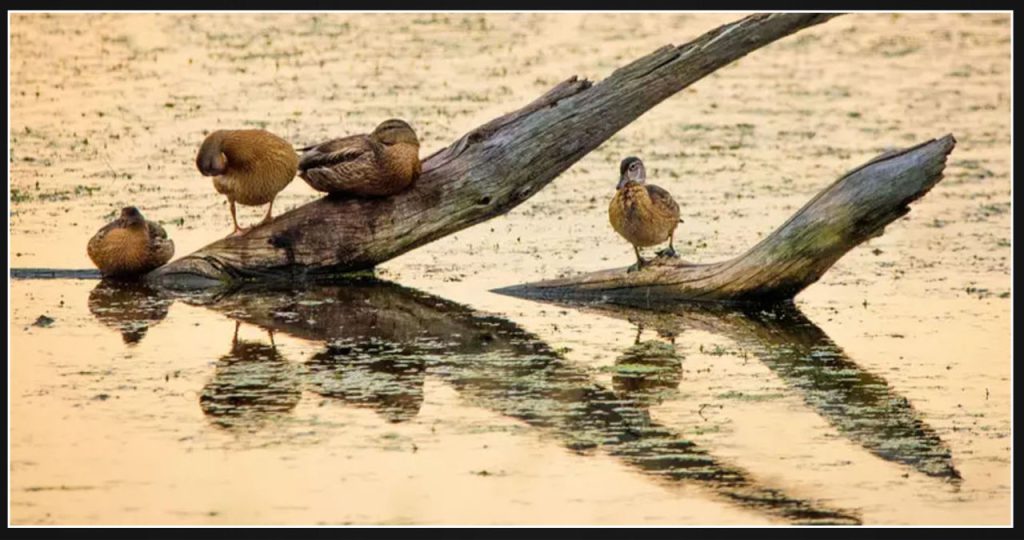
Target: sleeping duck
{"type": "Point", "coordinates": [380, 164]}
{"type": "Point", "coordinates": [130, 245]}
{"type": "Point", "coordinates": [249, 166]}
{"type": "Point", "coordinates": [642, 213]}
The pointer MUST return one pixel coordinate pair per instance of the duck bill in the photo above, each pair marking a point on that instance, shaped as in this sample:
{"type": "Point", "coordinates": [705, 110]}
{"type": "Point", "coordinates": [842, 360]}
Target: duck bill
{"type": "Point", "coordinates": [622, 182]}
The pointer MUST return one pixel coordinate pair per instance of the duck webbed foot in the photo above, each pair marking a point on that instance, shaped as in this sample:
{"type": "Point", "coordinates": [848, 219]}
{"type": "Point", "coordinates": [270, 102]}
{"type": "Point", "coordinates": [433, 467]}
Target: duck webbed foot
{"type": "Point", "coordinates": [669, 252]}
{"type": "Point", "coordinates": [238, 232]}
{"type": "Point", "coordinates": [640, 262]}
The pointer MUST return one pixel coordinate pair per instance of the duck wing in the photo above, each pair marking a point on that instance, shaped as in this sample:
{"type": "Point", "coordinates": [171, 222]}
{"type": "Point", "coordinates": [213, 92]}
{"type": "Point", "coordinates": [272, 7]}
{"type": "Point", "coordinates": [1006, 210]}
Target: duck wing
{"type": "Point", "coordinates": [350, 164]}
{"type": "Point", "coordinates": [338, 152]}
{"type": "Point", "coordinates": [160, 245]}
{"type": "Point", "coordinates": [663, 201]}
{"type": "Point", "coordinates": [97, 239]}
{"type": "Point", "coordinates": [156, 230]}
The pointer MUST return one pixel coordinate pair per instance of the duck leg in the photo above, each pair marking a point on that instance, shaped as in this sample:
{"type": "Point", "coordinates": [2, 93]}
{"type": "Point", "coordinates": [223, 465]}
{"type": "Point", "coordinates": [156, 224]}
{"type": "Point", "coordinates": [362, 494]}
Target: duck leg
{"type": "Point", "coordinates": [639, 261]}
{"type": "Point", "coordinates": [670, 251]}
{"type": "Point", "coordinates": [268, 218]}
{"type": "Point", "coordinates": [234, 219]}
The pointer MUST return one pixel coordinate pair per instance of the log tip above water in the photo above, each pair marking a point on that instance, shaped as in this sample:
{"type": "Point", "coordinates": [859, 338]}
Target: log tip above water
{"type": "Point", "coordinates": [854, 208]}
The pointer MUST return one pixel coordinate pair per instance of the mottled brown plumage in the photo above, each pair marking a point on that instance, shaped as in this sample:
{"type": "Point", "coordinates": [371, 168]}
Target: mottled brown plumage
{"type": "Point", "coordinates": [379, 164]}
{"type": "Point", "coordinates": [249, 166]}
{"type": "Point", "coordinates": [643, 214]}
{"type": "Point", "coordinates": [130, 245]}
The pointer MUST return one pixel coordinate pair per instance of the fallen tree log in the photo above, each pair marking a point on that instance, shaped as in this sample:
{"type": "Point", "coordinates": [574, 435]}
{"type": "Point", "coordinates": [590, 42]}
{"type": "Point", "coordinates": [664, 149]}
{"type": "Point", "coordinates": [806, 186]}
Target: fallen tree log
{"type": "Point", "coordinates": [484, 174]}
{"type": "Point", "coordinates": [856, 207]}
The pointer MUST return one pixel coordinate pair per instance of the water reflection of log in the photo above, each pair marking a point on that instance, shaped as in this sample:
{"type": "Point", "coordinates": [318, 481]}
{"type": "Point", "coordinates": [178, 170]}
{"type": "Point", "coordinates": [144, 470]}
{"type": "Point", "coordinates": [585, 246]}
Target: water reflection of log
{"type": "Point", "coordinates": [253, 386]}
{"type": "Point", "coordinates": [502, 367]}
{"type": "Point", "coordinates": [128, 307]}
{"type": "Point", "coordinates": [859, 404]}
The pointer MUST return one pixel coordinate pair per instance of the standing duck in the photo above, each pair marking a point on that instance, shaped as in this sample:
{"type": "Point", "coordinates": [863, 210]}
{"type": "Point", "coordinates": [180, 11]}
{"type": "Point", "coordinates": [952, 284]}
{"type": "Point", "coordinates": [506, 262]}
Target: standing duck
{"type": "Point", "coordinates": [380, 164]}
{"type": "Point", "coordinates": [130, 245]}
{"type": "Point", "coordinates": [642, 213]}
{"type": "Point", "coordinates": [249, 166]}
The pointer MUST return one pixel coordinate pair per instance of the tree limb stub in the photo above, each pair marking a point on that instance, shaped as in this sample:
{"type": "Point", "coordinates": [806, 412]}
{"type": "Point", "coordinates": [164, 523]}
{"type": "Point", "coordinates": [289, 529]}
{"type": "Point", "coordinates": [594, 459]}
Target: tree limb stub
{"type": "Point", "coordinates": [855, 208]}
{"type": "Point", "coordinates": [484, 174]}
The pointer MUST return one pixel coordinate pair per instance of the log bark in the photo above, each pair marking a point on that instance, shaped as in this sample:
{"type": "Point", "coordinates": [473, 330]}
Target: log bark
{"type": "Point", "coordinates": [484, 174]}
{"type": "Point", "coordinates": [855, 208]}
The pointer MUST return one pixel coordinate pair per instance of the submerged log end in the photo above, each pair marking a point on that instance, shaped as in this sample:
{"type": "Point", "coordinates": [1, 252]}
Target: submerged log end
{"type": "Point", "coordinates": [853, 209]}
{"type": "Point", "coordinates": [188, 273]}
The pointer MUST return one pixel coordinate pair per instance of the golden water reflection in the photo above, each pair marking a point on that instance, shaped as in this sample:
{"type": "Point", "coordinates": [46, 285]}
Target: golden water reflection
{"type": "Point", "coordinates": [128, 307]}
{"type": "Point", "coordinates": [381, 340]}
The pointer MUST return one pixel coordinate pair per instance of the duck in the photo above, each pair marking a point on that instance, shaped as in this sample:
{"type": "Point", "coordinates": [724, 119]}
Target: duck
{"type": "Point", "coordinates": [130, 245]}
{"type": "Point", "coordinates": [644, 214]}
{"type": "Point", "coordinates": [380, 164]}
{"type": "Point", "coordinates": [249, 166]}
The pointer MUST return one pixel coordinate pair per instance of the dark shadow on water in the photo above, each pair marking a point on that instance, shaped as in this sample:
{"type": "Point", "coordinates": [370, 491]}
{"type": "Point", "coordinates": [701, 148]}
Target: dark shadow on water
{"type": "Point", "coordinates": [131, 308]}
{"type": "Point", "coordinates": [382, 339]}
{"type": "Point", "coordinates": [859, 404]}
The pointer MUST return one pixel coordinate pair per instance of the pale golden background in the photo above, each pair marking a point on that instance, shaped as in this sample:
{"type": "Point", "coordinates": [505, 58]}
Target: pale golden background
{"type": "Point", "coordinates": [109, 109]}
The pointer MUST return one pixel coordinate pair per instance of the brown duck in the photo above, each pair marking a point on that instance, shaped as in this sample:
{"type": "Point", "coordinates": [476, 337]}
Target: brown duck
{"type": "Point", "coordinates": [249, 166]}
{"type": "Point", "coordinates": [380, 164]}
{"type": "Point", "coordinates": [130, 245]}
{"type": "Point", "coordinates": [642, 213]}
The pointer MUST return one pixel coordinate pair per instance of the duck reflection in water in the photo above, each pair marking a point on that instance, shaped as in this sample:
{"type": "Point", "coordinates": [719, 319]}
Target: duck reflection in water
{"type": "Point", "coordinates": [131, 308]}
{"type": "Point", "coordinates": [648, 372]}
{"type": "Point", "coordinates": [375, 374]}
{"type": "Point", "coordinates": [859, 404]}
{"type": "Point", "coordinates": [382, 340]}
{"type": "Point", "coordinates": [253, 386]}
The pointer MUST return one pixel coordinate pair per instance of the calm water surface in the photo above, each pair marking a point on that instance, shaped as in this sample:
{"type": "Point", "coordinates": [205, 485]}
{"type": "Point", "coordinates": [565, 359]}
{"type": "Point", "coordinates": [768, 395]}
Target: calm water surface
{"type": "Point", "coordinates": [882, 396]}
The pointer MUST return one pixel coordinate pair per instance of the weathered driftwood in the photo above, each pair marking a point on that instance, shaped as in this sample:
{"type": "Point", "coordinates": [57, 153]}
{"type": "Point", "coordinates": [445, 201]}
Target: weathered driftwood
{"type": "Point", "coordinates": [484, 174]}
{"type": "Point", "coordinates": [856, 207]}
